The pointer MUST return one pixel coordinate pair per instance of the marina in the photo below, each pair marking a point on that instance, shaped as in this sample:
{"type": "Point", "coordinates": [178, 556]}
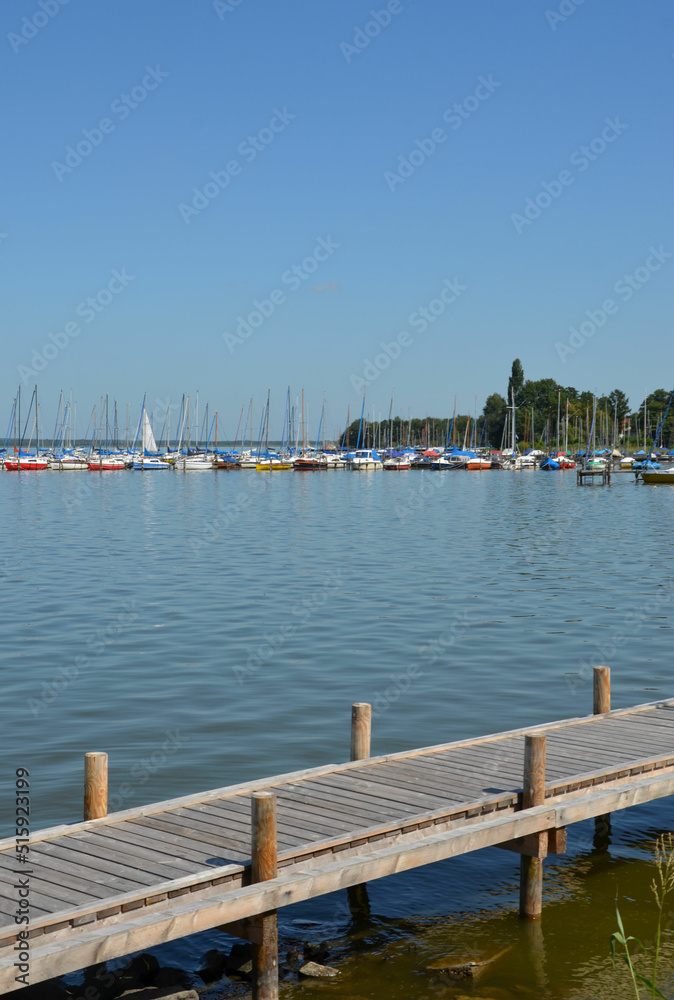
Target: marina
{"type": "Point", "coordinates": [436, 451]}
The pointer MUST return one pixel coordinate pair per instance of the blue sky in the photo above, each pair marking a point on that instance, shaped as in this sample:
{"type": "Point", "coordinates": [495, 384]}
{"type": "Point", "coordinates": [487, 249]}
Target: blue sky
{"type": "Point", "coordinates": [356, 147]}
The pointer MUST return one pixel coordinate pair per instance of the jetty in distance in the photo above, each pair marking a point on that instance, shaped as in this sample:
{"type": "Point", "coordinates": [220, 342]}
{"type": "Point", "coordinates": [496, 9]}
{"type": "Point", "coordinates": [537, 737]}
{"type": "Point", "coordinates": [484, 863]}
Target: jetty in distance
{"type": "Point", "coordinates": [392, 445]}
{"type": "Point", "coordinates": [232, 857]}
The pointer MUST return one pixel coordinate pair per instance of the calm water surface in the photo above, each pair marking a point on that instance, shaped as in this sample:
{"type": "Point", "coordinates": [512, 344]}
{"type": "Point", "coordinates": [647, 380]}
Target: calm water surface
{"type": "Point", "coordinates": [208, 629]}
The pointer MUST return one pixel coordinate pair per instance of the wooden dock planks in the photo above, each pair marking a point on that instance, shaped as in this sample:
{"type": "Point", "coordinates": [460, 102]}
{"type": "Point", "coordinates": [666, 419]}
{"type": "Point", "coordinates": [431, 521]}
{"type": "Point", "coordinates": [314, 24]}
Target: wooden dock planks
{"type": "Point", "coordinates": [92, 873]}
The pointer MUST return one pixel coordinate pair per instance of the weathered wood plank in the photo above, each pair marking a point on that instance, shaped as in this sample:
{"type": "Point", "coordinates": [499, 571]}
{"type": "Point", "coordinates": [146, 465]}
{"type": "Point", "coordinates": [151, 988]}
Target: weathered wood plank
{"type": "Point", "coordinates": [189, 918]}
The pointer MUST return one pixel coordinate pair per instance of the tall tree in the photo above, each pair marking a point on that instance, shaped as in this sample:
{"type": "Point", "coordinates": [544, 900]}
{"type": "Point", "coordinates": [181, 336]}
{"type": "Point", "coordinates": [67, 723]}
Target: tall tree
{"type": "Point", "coordinates": [494, 413]}
{"type": "Point", "coordinates": [516, 380]}
{"type": "Point", "coordinates": [619, 404]}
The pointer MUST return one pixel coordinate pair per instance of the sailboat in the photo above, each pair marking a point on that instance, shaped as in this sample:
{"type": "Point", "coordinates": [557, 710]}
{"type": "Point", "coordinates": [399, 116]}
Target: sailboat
{"type": "Point", "coordinates": [25, 461]}
{"type": "Point", "coordinates": [270, 461]}
{"type": "Point", "coordinates": [149, 458]}
{"type": "Point", "coordinates": [311, 459]}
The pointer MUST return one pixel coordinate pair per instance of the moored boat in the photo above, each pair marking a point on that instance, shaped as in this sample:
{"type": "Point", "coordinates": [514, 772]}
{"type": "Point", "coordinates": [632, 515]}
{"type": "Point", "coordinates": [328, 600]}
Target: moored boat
{"type": "Point", "coordinates": [658, 477]}
{"type": "Point", "coordinates": [365, 459]}
{"type": "Point", "coordinates": [26, 463]}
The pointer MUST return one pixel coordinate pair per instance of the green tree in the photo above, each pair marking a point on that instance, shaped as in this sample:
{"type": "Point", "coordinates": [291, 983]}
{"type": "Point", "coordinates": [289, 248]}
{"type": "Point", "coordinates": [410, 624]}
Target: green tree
{"type": "Point", "coordinates": [494, 413]}
{"type": "Point", "coordinates": [516, 380]}
{"type": "Point", "coordinates": [619, 404]}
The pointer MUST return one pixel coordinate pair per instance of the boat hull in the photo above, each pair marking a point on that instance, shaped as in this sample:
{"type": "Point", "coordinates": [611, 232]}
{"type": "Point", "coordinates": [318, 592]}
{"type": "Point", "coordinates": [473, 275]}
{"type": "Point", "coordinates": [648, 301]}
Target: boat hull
{"type": "Point", "coordinates": [24, 465]}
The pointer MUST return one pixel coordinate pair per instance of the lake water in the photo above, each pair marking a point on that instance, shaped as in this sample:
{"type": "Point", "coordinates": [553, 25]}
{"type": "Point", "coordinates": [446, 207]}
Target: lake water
{"type": "Point", "coordinates": [232, 619]}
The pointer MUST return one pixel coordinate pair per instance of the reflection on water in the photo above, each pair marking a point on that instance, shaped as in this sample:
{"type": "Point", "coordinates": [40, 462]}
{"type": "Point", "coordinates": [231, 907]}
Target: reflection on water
{"type": "Point", "coordinates": [242, 614]}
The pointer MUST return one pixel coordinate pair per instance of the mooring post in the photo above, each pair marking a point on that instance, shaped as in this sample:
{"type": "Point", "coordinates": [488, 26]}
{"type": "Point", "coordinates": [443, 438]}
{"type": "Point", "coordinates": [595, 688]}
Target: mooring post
{"type": "Point", "coordinates": [95, 785]}
{"type": "Point", "coordinates": [533, 794]}
{"type": "Point", "coordinates": [602, 690]}
{"type": "Point", "coordinates": [602, 704]}
{"type": "Point", "coordinates": [361, 733]}
{"type": "Point", "coordinates": [361, 730]}
{"type": "Point", "coordinates": [264, 866]}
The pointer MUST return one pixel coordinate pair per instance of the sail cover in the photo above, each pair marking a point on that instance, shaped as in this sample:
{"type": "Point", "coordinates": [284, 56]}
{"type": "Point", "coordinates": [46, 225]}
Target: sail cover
{"type": "Point", "coordinates": [149, 443]}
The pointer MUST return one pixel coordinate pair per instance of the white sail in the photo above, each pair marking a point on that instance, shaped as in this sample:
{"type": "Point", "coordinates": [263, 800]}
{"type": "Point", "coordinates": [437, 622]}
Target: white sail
{"type": "Point", "coordinates": [149, 443]}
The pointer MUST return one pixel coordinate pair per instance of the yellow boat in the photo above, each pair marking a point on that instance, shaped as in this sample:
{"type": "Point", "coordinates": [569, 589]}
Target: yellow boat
{"type": "Point", "coordinates": [273, 465]}
{"type": "Point", "coordinates": [658, 477]}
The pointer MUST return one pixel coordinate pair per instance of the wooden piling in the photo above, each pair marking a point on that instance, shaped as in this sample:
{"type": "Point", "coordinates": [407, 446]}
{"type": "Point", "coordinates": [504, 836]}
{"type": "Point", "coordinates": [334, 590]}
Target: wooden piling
{"type": "Point", "coordinates": [361, 733]}
{"type": "Point", "coordinates": [533, 794]}
{"type": "Point", "coordinates": [361, 730]}
{"type": "Point", "coordinates": [602, 690]}
{"type": "Point", "coordinates": [264, 866]}
{"type": "Point", "coordinates": [95, 785]}
{"type": "Point", "coordinates": [602, 704]}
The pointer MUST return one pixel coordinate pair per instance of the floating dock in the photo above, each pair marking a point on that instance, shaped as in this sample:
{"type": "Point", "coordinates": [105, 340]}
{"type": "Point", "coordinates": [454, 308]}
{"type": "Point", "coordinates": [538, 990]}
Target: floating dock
{"type": "Point", "coordinates": [112, 885]}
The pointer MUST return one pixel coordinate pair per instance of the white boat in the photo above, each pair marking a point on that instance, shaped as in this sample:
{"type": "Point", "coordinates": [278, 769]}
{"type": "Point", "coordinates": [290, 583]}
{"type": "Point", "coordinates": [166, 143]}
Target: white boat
{"type": "Point", "coordinates": [106, 463]}
{"type": "Point", "coordinates": [397, 463]}
{"type": "Point", "coordinates": [365, 459]}
{"type": "Point", "coordinates": [519, 463]}
{"type": "Point", "coordinates": [194, 463]}
{"type": "Point", "coordinates": [75, 462]}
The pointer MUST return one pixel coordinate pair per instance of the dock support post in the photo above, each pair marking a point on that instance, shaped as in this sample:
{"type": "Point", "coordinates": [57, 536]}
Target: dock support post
{"type": "Point", "coordinates": [602, 704]}
{"type": "Point", "coordinates": [361, 733]}
{"type": "Point", "coordinates": [533, 794]}
{"type": "Point", "coordinates": [602, 690]}
{"type": "Point", "coordinates": [361, 730]}
{"type": "Point", "coordinates": [264, 866]}
{"type": "Point", "coordinates": [95, 785]}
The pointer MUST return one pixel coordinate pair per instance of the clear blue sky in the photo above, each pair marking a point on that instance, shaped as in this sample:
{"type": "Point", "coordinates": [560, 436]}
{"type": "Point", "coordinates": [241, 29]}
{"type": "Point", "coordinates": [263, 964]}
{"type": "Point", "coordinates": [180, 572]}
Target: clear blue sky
{"type": "Point", "coordinates": [329, 172]}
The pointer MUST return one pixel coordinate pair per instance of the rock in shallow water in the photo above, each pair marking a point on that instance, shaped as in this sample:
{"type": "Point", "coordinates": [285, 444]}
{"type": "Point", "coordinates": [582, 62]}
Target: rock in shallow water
{"type": "Point", "coordinates": [315, 971]}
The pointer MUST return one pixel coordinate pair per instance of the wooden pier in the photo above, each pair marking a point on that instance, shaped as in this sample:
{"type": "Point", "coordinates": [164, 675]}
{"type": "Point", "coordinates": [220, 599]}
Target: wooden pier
{"type": "Point", "coordinates": [112, 885]}
{"type": "Point", "coordinates": [603, 475]}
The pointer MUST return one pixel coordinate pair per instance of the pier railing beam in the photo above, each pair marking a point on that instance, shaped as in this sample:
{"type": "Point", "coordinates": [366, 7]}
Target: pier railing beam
{"type": "Point", "coordinates": [602, 705]}
{"type": "Point", "coordinates": [95, 785]}
{"type": "Point", "coordinates": [533, 794]}
{"type": "Point", "coordinates": [264, 866]}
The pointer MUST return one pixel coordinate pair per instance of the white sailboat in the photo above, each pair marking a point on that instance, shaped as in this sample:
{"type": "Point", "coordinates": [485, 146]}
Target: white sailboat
{"type": "Point", "coordinates": [149, 459]}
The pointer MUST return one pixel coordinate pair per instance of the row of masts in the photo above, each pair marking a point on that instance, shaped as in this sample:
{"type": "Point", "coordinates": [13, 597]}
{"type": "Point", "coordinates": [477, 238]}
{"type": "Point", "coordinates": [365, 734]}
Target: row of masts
{"type": "Point", "coordinates": [104, 431]}
{"type": "Point", "coordinates": [606, 428]}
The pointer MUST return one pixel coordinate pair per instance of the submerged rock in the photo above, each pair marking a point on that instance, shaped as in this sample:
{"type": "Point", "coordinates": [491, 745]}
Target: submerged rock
{"type": "Point", "coordinates": [213, 965]}
{"type": "Point", "coordinates": [468, 969]}
{"type": "Point", "coordinates": [315, 971]}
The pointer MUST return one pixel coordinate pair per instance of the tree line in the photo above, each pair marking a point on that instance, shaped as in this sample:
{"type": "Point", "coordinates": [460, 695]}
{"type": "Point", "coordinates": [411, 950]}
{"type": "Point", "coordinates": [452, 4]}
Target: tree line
{"type": "Point", "coordinates": [537, 405]}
